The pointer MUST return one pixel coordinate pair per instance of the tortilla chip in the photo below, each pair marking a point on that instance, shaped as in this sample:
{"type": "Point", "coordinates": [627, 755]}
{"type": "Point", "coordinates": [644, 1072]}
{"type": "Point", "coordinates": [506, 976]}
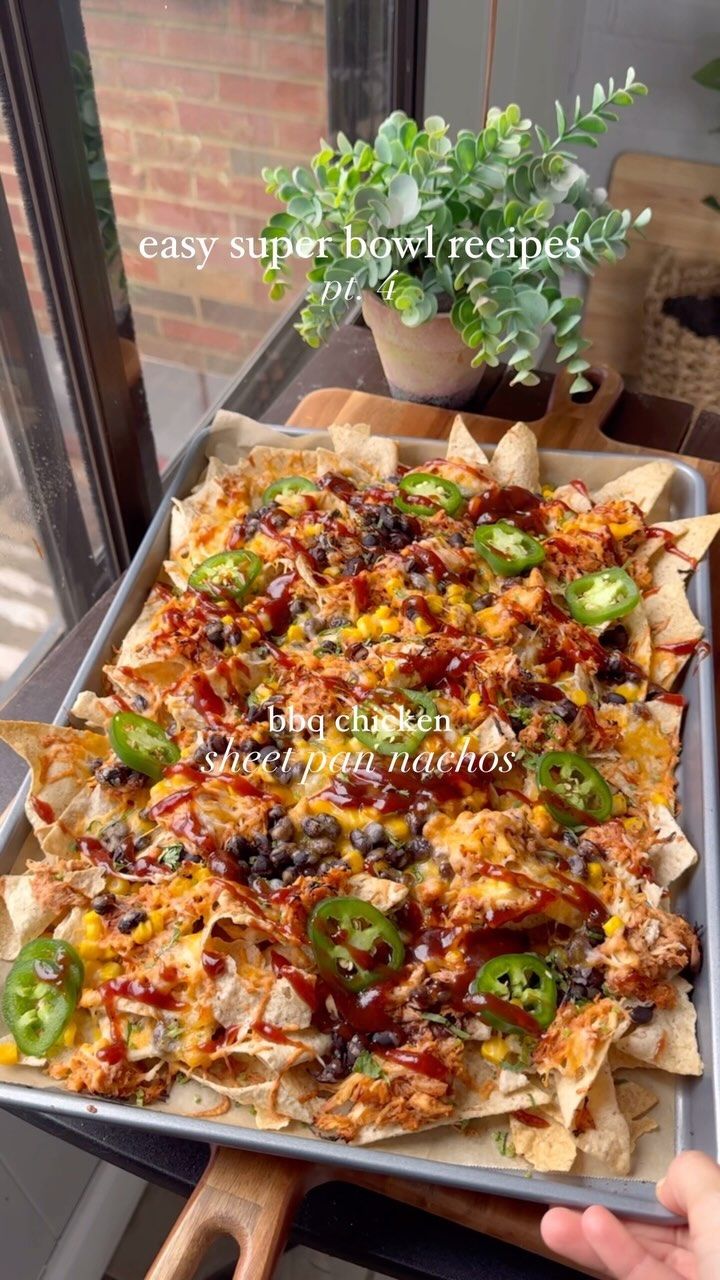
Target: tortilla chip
{"type": "Point", "coordinates": [668, 1043]}
{"type": "Point", "coordinates": [515, 460]}
{"type": "Point", "coordinates": [463, 447]}
{"type": "Point", "coordinates": [642, 485]}
{"type": "Point", "coordinates": [551, 1149]}
{"type": "Point", "coordinates": [694, 535]}
{"type": "Point", "coordinates": [573, 1089]}
{"type": "Point", "coordinates": [639, 648]}
{"type": "Point", "coordinates": [383, 894]}
{"type": "Point", "coordinates": [634, 1099]}
{"type": "Point", "coordinates": [375, 454]}
{"type": "Point", "coordinates": [609, 1141]}
{"type": "Point", "coordinates": [573, 497]}
{"type": "Point", "coordinates": [671, 620]}
{"type": "Point", "coordinates": [61, 762]}
{"type": "Point", "coordinates": [672, 852]}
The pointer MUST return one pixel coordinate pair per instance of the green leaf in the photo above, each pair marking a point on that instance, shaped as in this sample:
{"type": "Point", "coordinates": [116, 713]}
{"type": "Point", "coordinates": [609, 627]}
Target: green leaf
{"type": "Point", "coordinates": [366, 1064]}
{"type": "Point", "coordinates": [171, 856]}
{"type": "Point", "coordinates": [452, 1027]}
{"type": "Point", "coordinates": [465, 152]}
{"type": "Point", "coordinates": [709, 75]}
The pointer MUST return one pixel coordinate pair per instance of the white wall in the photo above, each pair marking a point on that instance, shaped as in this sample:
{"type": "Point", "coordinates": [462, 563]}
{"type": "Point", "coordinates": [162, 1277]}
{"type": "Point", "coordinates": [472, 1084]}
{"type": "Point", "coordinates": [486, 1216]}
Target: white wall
{"type": "Point", "coordinates": [556, 48]}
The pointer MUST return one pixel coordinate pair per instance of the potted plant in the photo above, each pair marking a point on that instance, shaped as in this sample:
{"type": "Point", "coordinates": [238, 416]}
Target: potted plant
{"type": "Point", "coordinates": [439, 307]}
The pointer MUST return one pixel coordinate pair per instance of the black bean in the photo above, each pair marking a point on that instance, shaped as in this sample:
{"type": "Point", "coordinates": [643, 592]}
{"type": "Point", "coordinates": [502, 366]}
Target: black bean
{"type": "Point", "coordinates": [321, 824]}
{"type": "Point", "coordinates": [323, 847]}
{"type": "Point", "coordinates": [355, 1047]}
{"type": "Point", "coordinates": [289, 875]}
{"type": "Point", "coordinates": [397, 855]}
{"type": "Point", "coordinates": [357, 652]}
{"type": "Point", "coordinates": [120, 777]}
{"type": "Point", "coordinates": [297, 607]}
{"type": "Point", "coordinates": [241, 849]}
{"type": "Point", "coordinates": [416, 821]}
{"type": "Point", "coordinates": [104, 903]}
{"type": "Point", "coordinates": [375, 834]}
{"type": "Point", "coordinates": [261, 865]}
{"type": "Point", "coordinates": [565, 710]}
{"type": "Point", "coordinates": [387, 1039]}
{"type": "Point", "coordinates": [217, 742]}
{"type": "Point", "coordinates": [483, 602]}
{"type": "Point", "coordinates": [617, 698]}
{"type": "Point", "coordinates": [330, 864]}
{"type": "Point", "coordinates": [283, 829]}
{"type": "Point", "coordinates": [570, 838]}
{"type": "Point", "coordinates": [615, 637]}
{"type": "Point", "coordinates": [615, 669]}
{"type": "Point", "coordinates": [359, 840]}
{"type": "Point", "coordinates": [215, 633]}
{"type": "Point", "coordinates": [642, 1014]}
{"type": "Point", "coordinates": [280, 856]}
{"type": "Point", "coordinates": [305, 858]}
{"type": "Point", "coordinates": [131, 919]}
{"type": "Point", "coordinates": [419, 848]}
{"type": "Point", "coordinates": [140, 702]}
{"type": "Point", "coordinates": [311, 627]}
{"type": "Point", "coordinates": [577, 866]}
{"type": "Point", "coordinates": [456, 540]}
{"type": "Point", "coordinates": [276, 814]}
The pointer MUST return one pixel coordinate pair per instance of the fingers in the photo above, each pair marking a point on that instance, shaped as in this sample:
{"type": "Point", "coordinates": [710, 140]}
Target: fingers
{"type": "Point", "coordinates": [562, 1232]}
{"type": "Point", "coordinates": [692, 1188]}
{"type": "Point", "coordinates": [620, 1253]}
{"type": "Point", "coordinates": [689, 1177]}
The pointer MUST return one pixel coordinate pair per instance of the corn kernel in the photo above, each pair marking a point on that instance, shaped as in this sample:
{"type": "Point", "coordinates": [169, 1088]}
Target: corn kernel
{"type": "Point", "coordinates": [474, 702]}
{"type": "Point", "coordinates": [434, 603]}
{"type": "Point", "coordinates": [69, 1034]}
{"type": "Point", "coordinates": [8, 1054]}
{"type": "Point", "coordinates": [157, 920]}
{"type": "Point", "coordinates": [455, 592]}
{"type": "Point", "coordinates": [628, 691]}
{"type": "Point", "coordinates": [93, 926]}
{"type": "Point", "coordinates": [90, 950]}
{"type": "Point", "coordinates": [106, 972]}
{"type": "Point", "coordinates": [295, 633]}
{"type": "Point", "coordinates": [227, 618]}
{"type": "Point", "coordinates": [619, 803]}
{"type": "Point", "coordinates": [657, 797]}
{"type": "Point", "coordinates": [389, 668]}
{"type": "Point", "coordinates": [397, 828]}
{"type": "Point", "coordinates": [422, 627]}
{"type": "Point", "coordinates": [354, 860]}
{"type": "Point", "coordinates": [383, 611]}
{"type": "Point", "coordinates": [394, 583]}
{"type": "Point", "coordinates": [595, 874]}
{"type": "Point", "coordinates": [494, 1050]}
{"type": "Point", "coordinates": [367, 626]}
{"type": "Point", "coordinates": [351, 635]}
{"type": "Point", "coordinates": [142, 932]}
{"type": "Point", "coordinates": [578, 696]}
{"type": "Point", "coordinates": [390, 626]}
{"type": "Point", "coordinates": [612, 926]}
{"type": "Point", "coordinates": [541, 819]}
{"type": "Point", "coordinates": [117, 886]}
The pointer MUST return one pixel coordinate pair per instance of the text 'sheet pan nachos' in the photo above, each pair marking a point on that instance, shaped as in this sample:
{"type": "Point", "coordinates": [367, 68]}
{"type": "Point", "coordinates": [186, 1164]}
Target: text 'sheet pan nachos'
{"type": "Point", "coordinates": [374, 827]}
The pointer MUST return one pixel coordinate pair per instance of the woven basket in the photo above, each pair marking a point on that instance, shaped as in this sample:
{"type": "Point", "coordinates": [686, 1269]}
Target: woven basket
{"type": "Point", "coordinates": [675, 361]}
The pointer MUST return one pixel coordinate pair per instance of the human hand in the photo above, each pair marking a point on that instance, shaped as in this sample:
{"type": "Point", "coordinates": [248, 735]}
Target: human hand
{"type": "Point", "coordinates": [599, 1241]}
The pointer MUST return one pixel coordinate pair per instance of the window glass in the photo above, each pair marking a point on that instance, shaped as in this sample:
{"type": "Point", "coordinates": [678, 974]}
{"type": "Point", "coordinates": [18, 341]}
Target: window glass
{"type": "Point", "coordinates": [193, 98]}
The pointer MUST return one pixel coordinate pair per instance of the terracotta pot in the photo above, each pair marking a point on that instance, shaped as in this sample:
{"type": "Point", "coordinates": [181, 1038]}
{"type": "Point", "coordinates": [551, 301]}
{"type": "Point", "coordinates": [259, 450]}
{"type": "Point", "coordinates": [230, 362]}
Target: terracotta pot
{"type": "Point", "coordinates": [429, 364]}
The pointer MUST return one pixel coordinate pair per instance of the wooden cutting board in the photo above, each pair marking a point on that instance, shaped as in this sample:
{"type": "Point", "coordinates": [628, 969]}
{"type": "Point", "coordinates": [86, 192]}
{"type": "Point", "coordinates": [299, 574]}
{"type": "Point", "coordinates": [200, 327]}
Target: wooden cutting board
{"type": "Point", "coordinates": [250, 1196]}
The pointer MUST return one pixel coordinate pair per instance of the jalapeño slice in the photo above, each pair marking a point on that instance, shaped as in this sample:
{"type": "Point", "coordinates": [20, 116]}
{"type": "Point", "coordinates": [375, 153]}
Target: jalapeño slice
{"type": "Point", "coordinates": [507, 549]}
{"type": "Point", "coordinates": [574, 791]}
{"type": "Point", "coordinates": [227, 575]}
{"type": "Point", "coordinates": [422, 494]}
{"type": "Point", "coordinates": [354, 944]}
{"type": "Point", "coordinates": [142, 744]}
{"type": "Point", "coordinates": [602, 596]}
{"type": "Point", "coordinates": [41, 994]}
{"type": "Point", "coordinates": [516, 981]}
{"type": "Point", "coordinates": [287, 484]}
{"type": "Point", "coordinates": [394, 721]}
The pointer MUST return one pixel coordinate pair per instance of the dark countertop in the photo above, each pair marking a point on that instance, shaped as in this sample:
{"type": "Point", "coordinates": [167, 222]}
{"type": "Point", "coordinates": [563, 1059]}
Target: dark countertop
{"type": "Point", "coordinates": [334, 1217]}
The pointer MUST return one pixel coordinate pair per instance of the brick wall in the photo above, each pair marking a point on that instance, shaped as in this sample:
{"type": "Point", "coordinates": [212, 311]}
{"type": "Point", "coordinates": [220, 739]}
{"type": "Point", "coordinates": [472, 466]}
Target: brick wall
{"type": "Point", "coordinates": [195, 96]}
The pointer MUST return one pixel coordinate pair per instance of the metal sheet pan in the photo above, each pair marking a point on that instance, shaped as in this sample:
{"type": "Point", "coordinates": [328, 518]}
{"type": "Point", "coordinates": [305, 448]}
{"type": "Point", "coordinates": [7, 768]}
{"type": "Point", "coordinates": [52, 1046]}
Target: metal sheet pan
{"type": "Point", "coordinates": [697, 1102]}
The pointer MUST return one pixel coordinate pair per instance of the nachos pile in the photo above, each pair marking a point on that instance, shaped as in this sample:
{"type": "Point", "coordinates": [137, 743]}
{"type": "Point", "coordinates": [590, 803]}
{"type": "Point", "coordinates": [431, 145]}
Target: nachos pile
{"type": "Point", "coordinates": [471, 924]}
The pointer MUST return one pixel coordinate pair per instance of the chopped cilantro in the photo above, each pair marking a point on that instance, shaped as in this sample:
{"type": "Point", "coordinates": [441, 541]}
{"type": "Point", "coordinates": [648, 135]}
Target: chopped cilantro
{"type": "Point", "coordinates": [450, 1026]}
{"type": "Point", "coordinates": [366, 1064]}
{"type": "Point", "coordinates": [503, 1142]}
{"type": "Point", "coordinates": [172, 856]}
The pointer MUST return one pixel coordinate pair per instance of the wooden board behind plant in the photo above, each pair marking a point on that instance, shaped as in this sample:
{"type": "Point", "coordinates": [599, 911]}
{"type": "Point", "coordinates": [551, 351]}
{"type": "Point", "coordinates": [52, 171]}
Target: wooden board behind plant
{"type": "Point", "coordinates": [681, 222]}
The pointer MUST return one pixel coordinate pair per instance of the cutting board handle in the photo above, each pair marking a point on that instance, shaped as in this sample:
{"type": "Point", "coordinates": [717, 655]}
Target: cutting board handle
{"type": "Point", "coordinates": [608, 387]}
{"type": "Point", "coordinates": [242, 1194]}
